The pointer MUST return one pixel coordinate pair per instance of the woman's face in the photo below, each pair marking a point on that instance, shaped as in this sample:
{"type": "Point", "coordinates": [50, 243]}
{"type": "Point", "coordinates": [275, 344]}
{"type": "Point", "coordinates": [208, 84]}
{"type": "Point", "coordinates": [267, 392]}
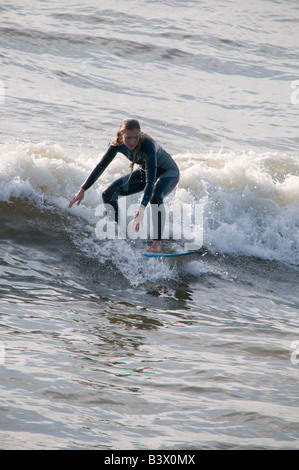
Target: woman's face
{"type": "Point", "coordinates": [131, 138]}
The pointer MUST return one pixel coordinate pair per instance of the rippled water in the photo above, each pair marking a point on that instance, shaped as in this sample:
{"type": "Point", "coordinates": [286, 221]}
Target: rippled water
{"type": "Point", "coordinates": [99, 350]}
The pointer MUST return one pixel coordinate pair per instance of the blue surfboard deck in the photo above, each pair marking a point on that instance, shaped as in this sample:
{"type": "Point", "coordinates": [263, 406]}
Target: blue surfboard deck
{"type": "Point", "coordinates": [184, 256]}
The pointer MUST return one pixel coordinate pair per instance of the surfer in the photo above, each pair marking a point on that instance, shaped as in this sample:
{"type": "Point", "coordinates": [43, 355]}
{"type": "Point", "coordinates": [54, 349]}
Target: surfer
{"type": "Point", "coordinates": [156, 176]}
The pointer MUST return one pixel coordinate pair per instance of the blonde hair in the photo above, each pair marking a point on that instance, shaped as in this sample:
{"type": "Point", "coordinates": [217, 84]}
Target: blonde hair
{"type": "Point", "coordinates": [129, 125]}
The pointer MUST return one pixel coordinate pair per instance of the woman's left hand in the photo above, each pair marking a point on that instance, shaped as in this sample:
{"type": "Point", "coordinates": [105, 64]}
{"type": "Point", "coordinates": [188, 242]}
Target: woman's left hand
{"type": "Point", "coordinates": [137, 221]}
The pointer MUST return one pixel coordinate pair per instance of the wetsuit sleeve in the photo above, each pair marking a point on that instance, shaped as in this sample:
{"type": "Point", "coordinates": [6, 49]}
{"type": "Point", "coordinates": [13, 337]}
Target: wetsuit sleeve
{"type": "Point", "coordinates": [149, 151]}
{"type": "Point", "coordinates": [101, 166]}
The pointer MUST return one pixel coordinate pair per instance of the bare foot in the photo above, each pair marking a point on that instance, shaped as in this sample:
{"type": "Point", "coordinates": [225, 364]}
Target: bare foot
{"type": "Point", "coordinates": [156, 247]}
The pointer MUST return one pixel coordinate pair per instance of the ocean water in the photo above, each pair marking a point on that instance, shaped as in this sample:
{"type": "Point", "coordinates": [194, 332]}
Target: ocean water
{"type": "Point", "coordinates": [99, 348]}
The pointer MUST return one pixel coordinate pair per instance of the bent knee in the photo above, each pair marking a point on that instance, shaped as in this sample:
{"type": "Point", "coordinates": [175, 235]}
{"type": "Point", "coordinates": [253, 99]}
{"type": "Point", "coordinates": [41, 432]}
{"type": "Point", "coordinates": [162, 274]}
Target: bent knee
{"type": "Point", "coordinates": [157, 200]}
{"type": "Point", "coordinates": [106, 195]}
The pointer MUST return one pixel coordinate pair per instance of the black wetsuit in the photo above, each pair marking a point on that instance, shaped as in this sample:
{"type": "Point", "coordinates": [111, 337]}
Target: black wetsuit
{"type": "Point", "coordinates": [157, 176]}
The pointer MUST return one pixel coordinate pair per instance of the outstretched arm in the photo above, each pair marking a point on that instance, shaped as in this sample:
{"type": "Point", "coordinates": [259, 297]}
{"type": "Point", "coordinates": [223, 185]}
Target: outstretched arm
{"type": "Point", "coordinates": [94, 175]}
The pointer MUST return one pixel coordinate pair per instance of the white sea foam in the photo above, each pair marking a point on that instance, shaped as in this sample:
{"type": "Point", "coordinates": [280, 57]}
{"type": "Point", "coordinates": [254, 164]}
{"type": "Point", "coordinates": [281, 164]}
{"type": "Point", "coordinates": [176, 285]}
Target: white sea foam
{"type": "Point", "coordinates": [250, 200]}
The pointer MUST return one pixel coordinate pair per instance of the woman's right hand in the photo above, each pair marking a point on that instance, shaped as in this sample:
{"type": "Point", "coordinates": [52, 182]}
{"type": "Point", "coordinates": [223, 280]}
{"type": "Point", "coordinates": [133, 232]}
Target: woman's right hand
{"type": "Point", "coordinates": [137, 221]}
{"type": "Point", "coordinates": [79, 196]}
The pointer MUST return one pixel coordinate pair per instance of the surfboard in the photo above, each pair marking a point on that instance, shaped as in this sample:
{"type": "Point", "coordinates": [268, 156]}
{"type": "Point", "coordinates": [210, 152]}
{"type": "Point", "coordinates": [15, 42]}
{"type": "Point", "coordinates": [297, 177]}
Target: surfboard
{"type": "Point", "coordinates": [184, 256]}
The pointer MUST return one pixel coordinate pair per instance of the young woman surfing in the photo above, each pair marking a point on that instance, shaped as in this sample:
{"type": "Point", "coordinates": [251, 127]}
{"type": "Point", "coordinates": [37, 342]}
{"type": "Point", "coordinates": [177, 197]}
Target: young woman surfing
{"type": "Point", "coordinates": [156, 176]}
